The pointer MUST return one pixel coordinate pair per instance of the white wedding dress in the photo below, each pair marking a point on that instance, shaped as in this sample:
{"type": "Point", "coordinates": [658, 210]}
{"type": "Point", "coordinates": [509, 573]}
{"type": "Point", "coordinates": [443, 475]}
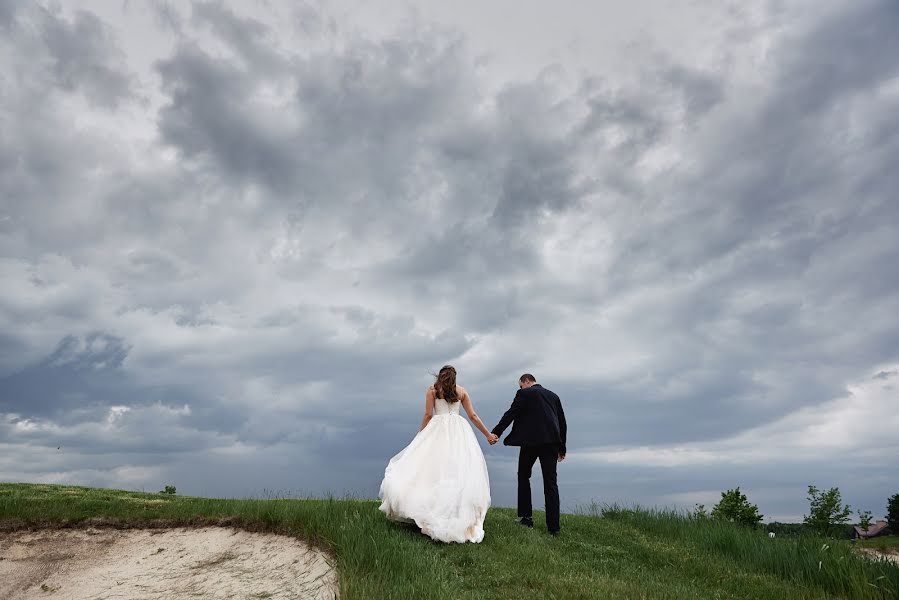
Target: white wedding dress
{"type": "Point", "coordinates": [439, 481]}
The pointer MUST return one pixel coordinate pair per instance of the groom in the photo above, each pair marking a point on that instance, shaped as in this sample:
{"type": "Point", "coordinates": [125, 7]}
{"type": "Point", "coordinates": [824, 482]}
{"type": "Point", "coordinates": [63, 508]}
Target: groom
{"type": "Point", "coordinates": [539, 428]}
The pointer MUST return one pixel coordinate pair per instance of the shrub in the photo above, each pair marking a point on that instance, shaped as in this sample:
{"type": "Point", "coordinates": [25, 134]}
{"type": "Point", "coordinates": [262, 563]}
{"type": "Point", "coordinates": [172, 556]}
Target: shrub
{"type": "Point", "coordinates": [735, 507]}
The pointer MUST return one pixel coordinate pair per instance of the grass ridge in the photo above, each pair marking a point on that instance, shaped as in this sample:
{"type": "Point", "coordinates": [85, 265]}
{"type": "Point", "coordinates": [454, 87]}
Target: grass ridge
{"type": "Point", "coordinates": [605, 551]}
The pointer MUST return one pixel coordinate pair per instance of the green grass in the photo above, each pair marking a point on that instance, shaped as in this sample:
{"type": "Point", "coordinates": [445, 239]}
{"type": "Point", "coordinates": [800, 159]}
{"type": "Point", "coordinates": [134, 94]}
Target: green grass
{"type": "Point", "coordinates": [603, 552]}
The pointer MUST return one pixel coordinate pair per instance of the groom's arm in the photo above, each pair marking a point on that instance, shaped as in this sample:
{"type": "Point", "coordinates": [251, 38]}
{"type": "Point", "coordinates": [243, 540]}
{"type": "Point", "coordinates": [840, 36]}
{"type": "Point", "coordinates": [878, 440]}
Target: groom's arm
{"type": "Point", "coordinates": [510, 414]}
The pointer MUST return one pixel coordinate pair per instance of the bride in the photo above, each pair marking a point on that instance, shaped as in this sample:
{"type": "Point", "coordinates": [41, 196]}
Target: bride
{"type": "Point", "coordinates": [439, 481]}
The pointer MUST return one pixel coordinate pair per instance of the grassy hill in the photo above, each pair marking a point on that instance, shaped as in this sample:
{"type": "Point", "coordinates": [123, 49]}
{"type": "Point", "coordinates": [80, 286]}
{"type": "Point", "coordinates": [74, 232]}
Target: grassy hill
{"type": "Point", "coordinates": [603, 553]}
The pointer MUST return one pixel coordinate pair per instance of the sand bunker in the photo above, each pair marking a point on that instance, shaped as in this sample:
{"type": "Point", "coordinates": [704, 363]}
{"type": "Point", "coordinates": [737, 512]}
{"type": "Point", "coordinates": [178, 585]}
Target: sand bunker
{"type": "Point", "coordinates": [874, 553]}
{"type": "Point", "coordinates": [144, 564]}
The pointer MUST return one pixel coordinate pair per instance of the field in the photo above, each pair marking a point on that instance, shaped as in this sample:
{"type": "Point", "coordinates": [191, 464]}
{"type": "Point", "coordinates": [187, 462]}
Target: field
{"type": "Point", "coordinates": [885, 543]}
{"type": "Point", "coordinates": [604, 552]}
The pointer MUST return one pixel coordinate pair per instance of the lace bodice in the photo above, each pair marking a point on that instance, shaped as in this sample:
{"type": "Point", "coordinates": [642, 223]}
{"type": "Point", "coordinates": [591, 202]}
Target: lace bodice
{"type": "Point", "coordinates": [442, 407]}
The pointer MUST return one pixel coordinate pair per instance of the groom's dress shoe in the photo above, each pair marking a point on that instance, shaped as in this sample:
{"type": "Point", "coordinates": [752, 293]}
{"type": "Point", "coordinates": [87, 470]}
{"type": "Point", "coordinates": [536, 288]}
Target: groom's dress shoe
{"type": "Point", "coordinates": [526, 521]}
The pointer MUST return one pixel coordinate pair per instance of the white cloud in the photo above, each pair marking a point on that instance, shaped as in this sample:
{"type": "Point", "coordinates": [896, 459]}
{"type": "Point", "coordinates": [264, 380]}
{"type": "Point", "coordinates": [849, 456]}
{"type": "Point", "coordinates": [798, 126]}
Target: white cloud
{"type": "Point", "coordinates": [859, 426]}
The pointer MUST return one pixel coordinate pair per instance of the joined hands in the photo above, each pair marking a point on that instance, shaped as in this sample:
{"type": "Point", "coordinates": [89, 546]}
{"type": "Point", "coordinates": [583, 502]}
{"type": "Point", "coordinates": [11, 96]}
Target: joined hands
{"type": "Point", "coordinates": [492, 438]}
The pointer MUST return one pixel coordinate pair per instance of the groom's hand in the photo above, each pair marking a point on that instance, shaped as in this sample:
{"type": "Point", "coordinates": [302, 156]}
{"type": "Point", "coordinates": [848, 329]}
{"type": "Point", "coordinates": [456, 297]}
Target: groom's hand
{"type": "Point", "coordinates": [561, 457]}
{"type": "Point", "coordinates": [492, 439]}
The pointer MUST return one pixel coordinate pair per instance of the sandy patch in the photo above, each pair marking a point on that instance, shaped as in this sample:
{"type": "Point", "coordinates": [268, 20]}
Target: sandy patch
{"type": "Point", "coordinates": [145, 564]}
{"type": "Point", "coordinates": [873, 552]}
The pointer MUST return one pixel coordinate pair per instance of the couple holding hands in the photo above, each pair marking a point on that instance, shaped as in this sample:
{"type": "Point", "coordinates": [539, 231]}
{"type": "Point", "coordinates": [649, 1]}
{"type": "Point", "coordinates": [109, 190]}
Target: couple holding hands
{"type": "Point", "coordinates": [439, 481]}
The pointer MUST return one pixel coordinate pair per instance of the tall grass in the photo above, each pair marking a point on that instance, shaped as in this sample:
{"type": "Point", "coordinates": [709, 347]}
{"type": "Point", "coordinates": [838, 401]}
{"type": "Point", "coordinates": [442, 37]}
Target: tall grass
{"type": "Point", "coordinates": [805, 559]}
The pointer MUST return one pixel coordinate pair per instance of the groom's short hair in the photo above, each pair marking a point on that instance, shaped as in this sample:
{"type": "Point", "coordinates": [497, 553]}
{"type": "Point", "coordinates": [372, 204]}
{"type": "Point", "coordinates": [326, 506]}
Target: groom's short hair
{"type": "Point", "coordinates": [527, 378]}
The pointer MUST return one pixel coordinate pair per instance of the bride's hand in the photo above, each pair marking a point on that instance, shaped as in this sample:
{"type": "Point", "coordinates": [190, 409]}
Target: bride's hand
{"type": "Point", "coordinates": [492, 438]}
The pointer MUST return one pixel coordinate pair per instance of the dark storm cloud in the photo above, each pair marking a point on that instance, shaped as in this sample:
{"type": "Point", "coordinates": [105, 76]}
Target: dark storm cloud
{"type": "Point", "coordinates": [208, 119]}
{"type": "Point", "coordinates": [247, 36]}
{"type": "Point", "coordinates": [85, 58]}
{"type": "Point", "coordinates": [8, 11]}
{"type": "Point", "coordinates": [78, 373]}
{"type": "Point", "coordinates": [367, 128]}
{"type": "Point", "coordinates": [264, 280]}
{"type": "Point", "coordinates": [770, 249]}
{"type": "Point", "coordinates": [539, 172]}
{"type": "Point", "coordinates": [700, 92]}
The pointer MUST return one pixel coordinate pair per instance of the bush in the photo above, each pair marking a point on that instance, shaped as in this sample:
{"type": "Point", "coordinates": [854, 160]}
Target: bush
{"type": "Point", "coordinates": [169, 489]}
{"type": "Point", "coordinates": [735, 507]}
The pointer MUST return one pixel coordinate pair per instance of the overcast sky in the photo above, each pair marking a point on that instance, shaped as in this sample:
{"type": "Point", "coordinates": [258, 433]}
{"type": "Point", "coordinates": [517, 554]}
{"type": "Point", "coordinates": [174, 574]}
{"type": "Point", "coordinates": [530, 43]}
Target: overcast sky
{"type": "Point", "coordinates": [236, 238]}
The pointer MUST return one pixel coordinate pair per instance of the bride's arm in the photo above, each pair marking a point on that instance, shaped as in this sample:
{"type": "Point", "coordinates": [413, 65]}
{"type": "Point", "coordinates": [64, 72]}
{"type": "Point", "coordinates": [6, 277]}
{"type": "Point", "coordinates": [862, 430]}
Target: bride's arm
{"type": "Point", "coordinates": [473, 416]}
{"type": "Point", "coordinates": [429, 408]}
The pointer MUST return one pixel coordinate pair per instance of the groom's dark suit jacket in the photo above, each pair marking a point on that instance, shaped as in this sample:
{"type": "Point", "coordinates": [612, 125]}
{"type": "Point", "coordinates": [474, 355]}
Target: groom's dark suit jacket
{"type": "Point", "coordinates": [537, 418]}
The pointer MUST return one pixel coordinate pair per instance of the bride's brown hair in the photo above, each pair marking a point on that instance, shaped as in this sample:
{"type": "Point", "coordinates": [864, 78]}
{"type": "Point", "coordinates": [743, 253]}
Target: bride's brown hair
{"type": "Point", "coordinates": [445, 386]}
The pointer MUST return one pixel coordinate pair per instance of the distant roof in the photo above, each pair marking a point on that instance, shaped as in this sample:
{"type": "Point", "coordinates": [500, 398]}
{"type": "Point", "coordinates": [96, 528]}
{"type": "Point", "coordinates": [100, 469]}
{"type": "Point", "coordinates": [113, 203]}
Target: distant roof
{"type": "Point", "coordinates": [875, 529]}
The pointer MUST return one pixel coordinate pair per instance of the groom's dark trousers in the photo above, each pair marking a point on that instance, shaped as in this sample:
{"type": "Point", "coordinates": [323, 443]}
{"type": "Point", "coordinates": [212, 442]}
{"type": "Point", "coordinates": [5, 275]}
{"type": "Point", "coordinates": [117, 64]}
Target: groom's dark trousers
{"type": "Point", "coordinates": [548, 455]}
{"type": "Point", "coordinates": [539, 427]}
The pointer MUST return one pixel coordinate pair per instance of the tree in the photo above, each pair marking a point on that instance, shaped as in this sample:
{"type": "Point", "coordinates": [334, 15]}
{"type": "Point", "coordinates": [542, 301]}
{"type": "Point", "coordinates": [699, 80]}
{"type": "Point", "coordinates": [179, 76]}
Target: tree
{"type": "Point", "coordinates": [893, 513]}
{"type": "Point", "coordinates": [826, 511]}
{"type": "Point", "coordinates": [864, 520]}
{"type": "Point", "coordinates": [735, 507]}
